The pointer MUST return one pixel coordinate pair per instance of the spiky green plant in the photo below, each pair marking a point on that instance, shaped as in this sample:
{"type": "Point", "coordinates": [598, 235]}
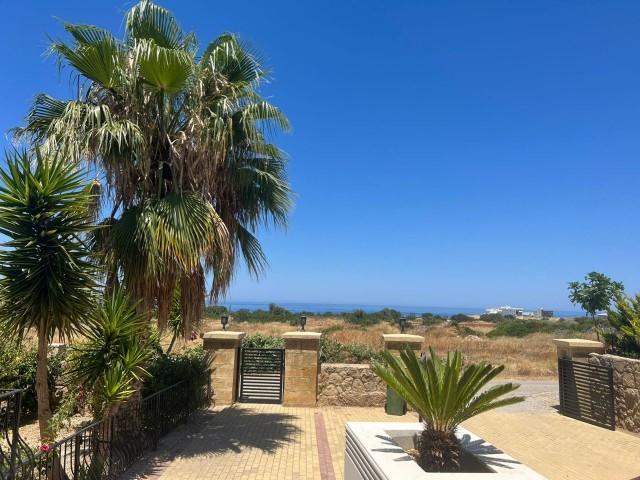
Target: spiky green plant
{"type": "Point", "coordinates": [623, 336]}
{"type": "Point", "coordinates": [46, 280]}
{"type": "Point", "coordinates": [444, 394]}
{"type": "Point", "coordinates": [183, 139]}
{"type": "Point", "coordinates": [112, 358]}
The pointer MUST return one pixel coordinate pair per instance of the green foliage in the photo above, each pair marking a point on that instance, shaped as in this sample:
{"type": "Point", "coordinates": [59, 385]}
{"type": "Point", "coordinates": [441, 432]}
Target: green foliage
{"type": "Point", "coordinates": [192, 367]}
{"type": "Point", "coordinates": [207, 174]}
{"type": "Point", "coordinates": [444, 395]}
{"type": "Point", "coordinates": [18, 371]}
{"type": "Point", "coordinates": [274, 314]}
{"type": "Point", "coordinates": [495, 317]}
{"type": "Point", "coordinates": [214, 311]}
{"type": "Point", "coordinates": [429, 319]}
{"type": "Point", "coordinates": [595, 294]}
{"type": "Point", "coordinates": [465, 331]}
{"type": "Point", "coordinates": [623, 338]}
{"type": "Point", "coordinates": [45, 274]}
{"type": "Point", "coordinates": [258, 340]}
{"type": "Point", "coordinates": [360, 317]}
{"type": "Point", "coordinates": [113, 356]}
{"type": "Point", "coordinates": [521, 328]}
{"type": "Point", "coordinates": [334, 351]}
{"type": "Point", "coordinates": [460, 318]}
{"type": "Point", "coordinates": [517, 328]}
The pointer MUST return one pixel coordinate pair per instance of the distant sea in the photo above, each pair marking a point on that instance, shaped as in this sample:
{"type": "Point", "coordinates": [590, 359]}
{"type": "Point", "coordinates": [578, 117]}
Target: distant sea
{"type": "Point", "coordinates": [350, 307]}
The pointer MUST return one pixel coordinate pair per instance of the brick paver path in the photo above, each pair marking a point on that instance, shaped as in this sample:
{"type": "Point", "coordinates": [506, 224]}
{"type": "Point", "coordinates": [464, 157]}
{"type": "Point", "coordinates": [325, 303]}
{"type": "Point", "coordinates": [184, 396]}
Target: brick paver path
{"type": "Point", "coordinates": [274, 442]}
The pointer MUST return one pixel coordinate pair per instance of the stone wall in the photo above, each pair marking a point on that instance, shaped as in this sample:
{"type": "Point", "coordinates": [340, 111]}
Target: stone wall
{"type": "Point", "coordinates": [626, 382]}
{"type": "Point", "coordinates": [349, 385]}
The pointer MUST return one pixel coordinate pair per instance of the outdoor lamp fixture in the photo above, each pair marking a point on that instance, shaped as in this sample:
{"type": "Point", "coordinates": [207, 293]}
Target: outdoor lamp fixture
{"type": "Point", "coordinates": [403, 324]}
{"type": "Point", "coordinates": [224, 320]}
{"type": "Point", "coordinates": [303, 322]}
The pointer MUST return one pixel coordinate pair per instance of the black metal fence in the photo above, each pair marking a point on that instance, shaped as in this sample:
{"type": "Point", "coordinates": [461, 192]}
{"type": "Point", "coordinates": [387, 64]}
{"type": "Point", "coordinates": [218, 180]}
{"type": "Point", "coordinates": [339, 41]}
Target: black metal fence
{"type": "Point", "coordinates": [586, 392]}
{"type": "Point", "coordinates": [104, 449]}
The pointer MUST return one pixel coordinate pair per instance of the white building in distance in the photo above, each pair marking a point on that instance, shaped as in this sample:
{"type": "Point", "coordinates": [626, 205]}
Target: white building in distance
{"type": "Point", "coordinates": [506, 310]}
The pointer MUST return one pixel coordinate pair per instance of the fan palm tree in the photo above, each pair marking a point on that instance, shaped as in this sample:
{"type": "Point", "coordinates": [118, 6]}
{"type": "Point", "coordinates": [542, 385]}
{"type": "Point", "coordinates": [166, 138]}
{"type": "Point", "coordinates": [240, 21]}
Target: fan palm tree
{"type": "Point", "coordinates": [47, 282]}
{"type": "Point", "coordinates": [183, 141]}
{"type": "Point", "coordinates": [444, 394]}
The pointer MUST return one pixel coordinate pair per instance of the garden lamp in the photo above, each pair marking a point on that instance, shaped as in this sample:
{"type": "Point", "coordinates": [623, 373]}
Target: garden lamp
{"type": "Point", "coordinates": [303, 322]}
{"type": "Point", "coordinates": [224, 320]}
{"type": "Point", "coordinates": [403, 323]}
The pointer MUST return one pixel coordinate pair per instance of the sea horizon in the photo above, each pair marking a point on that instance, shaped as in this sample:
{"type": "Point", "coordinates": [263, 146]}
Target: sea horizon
{"type": "Point", "coordinates": [319, 308]}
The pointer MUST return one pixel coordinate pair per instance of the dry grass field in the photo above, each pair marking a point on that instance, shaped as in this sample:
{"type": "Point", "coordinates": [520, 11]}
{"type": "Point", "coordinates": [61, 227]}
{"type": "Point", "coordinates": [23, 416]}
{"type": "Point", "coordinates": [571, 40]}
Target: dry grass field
{"type": "Point", "coordinates": [533, 356]}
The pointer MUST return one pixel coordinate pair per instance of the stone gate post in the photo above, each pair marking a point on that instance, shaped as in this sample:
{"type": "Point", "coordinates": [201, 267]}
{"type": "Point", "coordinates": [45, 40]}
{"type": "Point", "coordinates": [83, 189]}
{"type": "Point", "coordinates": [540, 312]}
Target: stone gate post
{"type": "Point", "coordinates": [395, 341]}
{"type": "Point", "coordinates": [224, 366]}
{"type": "Point", "coordinates": [301, 368]}
{"type": "Point", "coordinates": [577, 349]}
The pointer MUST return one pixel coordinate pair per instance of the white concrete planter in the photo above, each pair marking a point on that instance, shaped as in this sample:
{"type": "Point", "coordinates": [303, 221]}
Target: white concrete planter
{"type": "Point", "coordinates": [373, 453]}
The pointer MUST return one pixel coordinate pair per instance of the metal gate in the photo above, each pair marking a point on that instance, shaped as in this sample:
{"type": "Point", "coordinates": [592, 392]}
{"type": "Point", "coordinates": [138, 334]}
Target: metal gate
{"type": "Point", "coordinates": [586, 392]}
{"type": "Point", "coordinates": [261, 375]}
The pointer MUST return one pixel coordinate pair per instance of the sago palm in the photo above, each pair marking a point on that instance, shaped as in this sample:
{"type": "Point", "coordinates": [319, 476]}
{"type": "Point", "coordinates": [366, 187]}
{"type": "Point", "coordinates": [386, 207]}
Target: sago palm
{"type": "Point", "coordinates": [444, 394]}
{"type": "Point", "coordinates": [183, 140]}
{"type": "Point", "coordinates": [46, 280]}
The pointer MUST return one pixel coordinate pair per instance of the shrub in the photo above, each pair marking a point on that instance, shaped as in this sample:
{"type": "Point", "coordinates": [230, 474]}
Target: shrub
{"type": "Point", "coordinates": [18, 371]}
{"type": "Point", "coordinates": [258, 340]}
{"type": "Point", "coordinates": [623, 336]}
{"type": "Point", "coordinates": [517, 328]}
{"type": "Point", "coordinates": [191, 367]}
{"type": "Point", "coordinates": [461, 318]}
{"type": "Point", "coordinates": [330, 350]}
{"type": "Point", "coordinates": [214, 311]}
{"type": "Point", "coordinates": [429, 319]}
{"type": "Point", "coordinates": [496, 317]}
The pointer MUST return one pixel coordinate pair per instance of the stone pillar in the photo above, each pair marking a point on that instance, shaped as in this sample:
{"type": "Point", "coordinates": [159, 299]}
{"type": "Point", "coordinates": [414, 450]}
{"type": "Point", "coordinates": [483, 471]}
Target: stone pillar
{"type": "Point", "coordinates": [301, 368]}
{"type": "Point", "coordinates": [395, 341]}
{"type": "Point", "coordinates": [224, 367]}
{"type": "Point", "coordinates": [577, 349]}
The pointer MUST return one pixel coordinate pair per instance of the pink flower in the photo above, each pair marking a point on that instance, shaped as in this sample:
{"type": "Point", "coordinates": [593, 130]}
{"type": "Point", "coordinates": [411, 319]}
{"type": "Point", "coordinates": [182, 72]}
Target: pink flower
{"type": "Point", "coordinates": [44, 447]}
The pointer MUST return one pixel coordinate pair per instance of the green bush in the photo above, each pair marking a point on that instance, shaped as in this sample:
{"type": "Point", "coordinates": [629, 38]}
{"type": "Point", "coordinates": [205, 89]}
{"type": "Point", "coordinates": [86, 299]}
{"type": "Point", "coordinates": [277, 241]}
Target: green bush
{"type": "Point", "coordinates": [18, 371]}
{"type": "Point", "coordinates": [191, 367]}
{"type": "Point", "coordinates": [465, 331]}
{"type": "Point", "coordinates": [622, 337]}
{"type": "Point", "coordinates": [275, 314]}
{"type": "Point", "coordinates": [214, 311]}
{"type": "Point", "coordinates": [460, 318]}
{"type": "Point", "coordinates": [496, 317]}
{"type": "Point", "coordinates": [257, 340]}
{"type": "Point", "coordinates": [330, 350]}
{"type": "Point", "coordinates": [429, 319]}
{"type": "Point", "coordinates": [334, 351]}
{"type": "Point", "coordinates": [516, 328]}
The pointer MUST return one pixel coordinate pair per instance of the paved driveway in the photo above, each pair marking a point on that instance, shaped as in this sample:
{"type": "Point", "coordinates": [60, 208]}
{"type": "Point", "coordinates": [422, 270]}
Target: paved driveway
{"type": "Point", "coordinates": [273, 442]}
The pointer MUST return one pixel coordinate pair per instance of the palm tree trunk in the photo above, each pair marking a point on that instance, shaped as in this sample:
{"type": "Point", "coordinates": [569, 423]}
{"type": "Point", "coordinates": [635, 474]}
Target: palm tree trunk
{"type": "Point", "coordinates": [42, 387]}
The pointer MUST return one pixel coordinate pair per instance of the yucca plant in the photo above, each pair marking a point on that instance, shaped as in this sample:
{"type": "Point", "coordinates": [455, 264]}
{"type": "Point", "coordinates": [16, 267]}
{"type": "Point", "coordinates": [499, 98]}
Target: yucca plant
{"type": "Point", "coordinates": [46, 280]}
{"type": "Point", "coordinates": [113, 357]}
{"type": "Point", "coordinates": [444, 394]}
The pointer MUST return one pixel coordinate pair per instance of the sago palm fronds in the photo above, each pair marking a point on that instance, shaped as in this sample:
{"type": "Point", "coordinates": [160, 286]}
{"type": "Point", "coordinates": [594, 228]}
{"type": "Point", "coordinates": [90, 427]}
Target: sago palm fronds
{"type": "Point", "coordinates": [444, 394]}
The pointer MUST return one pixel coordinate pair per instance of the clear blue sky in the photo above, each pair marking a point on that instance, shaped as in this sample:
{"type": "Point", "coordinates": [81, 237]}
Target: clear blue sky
{"type": "Point", "coordinates": [444, 154]}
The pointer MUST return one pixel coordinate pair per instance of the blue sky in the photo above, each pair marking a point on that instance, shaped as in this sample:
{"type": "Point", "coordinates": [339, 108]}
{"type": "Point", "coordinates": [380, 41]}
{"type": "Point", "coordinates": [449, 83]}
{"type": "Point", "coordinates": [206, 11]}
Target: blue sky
{"type": "Point", "coordinates": [460, 154]}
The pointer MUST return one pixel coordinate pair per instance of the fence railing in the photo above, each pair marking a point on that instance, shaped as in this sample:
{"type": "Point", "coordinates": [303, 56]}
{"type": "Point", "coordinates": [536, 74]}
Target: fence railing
{"type": "Point", "coordinates": [106, 448]}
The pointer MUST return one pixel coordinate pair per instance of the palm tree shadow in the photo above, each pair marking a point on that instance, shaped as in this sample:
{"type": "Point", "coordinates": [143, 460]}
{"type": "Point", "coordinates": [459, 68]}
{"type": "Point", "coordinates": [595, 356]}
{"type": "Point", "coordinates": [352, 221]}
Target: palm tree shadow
{"type": "Point", "coordinates": [487, 453]}
{"type": "Point", "coordinates": [237, 428]}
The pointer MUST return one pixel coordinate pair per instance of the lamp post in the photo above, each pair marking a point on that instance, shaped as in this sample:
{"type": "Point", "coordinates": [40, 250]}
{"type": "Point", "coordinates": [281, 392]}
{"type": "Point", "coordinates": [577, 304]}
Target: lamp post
{"type": "Point", "coordinates": [403, 324]}
{"type": "Point", "coordinates": [303, 322]}
{"type": "Point", "coordinates": [224, 320]}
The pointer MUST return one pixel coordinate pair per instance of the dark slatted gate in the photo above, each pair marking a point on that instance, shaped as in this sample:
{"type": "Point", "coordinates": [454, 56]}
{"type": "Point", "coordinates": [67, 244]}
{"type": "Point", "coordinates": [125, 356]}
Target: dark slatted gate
{"type": "Point", "coordinates": [586, 392]}
{"type": "Point", "coordinates": [261, 375]}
